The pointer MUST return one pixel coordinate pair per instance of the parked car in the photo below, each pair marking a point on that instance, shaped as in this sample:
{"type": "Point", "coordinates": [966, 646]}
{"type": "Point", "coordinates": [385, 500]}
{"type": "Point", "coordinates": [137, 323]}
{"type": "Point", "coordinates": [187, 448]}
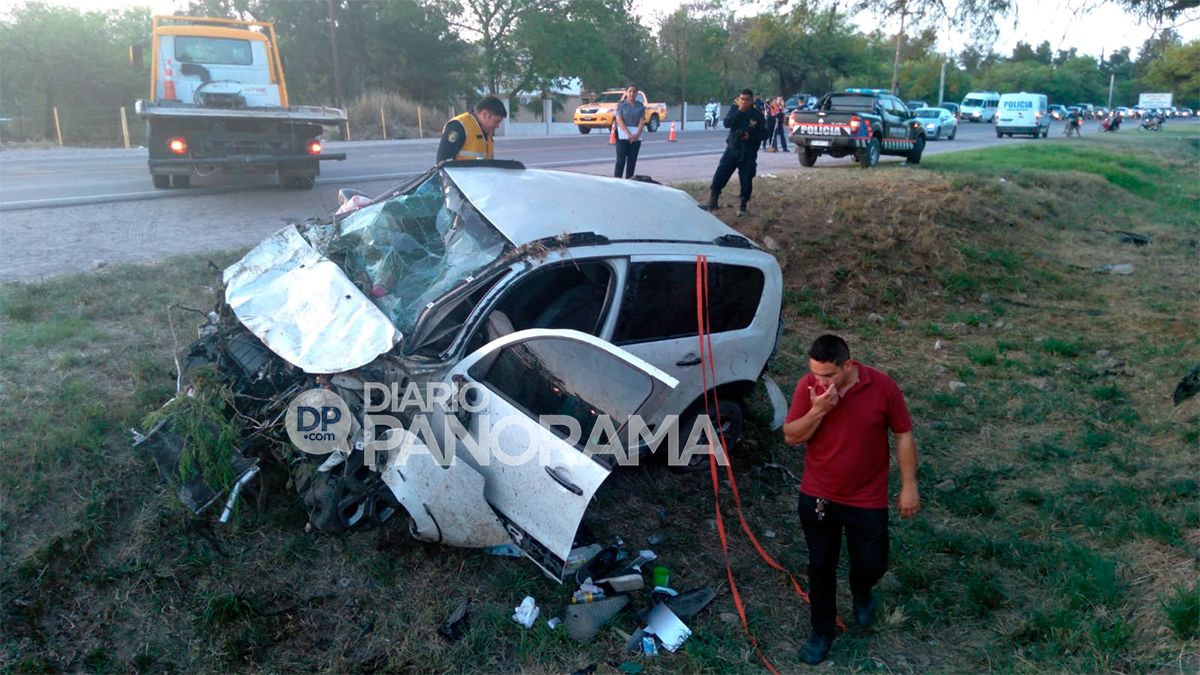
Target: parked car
{"type": "Point", "coordinates": [491, 278]}
{"type": "Point", "coordinates": [1186, 112]}
{"type": "Point", "coordinates": [952, 107]}
{"type": "Point", "coordinates": [1086, 109]}
{"type": "Point", "coordinates": [938, 123]}
{"type": "Point", "coordinates": [1058, 112]}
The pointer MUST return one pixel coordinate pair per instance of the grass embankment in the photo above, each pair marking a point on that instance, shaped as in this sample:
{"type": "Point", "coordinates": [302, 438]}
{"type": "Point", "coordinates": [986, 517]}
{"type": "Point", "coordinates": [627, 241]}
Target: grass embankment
{"type": "Point", "coordinates": [1060, 516]}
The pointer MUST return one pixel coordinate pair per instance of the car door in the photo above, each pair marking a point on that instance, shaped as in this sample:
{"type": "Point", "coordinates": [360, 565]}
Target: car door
{"type": "Point", "coordinates": [537, 479]}
{"type": "Point", "coordinates": [895, 129]}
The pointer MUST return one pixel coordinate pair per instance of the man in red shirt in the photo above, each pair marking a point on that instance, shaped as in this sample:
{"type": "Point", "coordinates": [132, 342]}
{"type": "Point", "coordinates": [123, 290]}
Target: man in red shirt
{"type": "Point", "coordinates": [843, 410]}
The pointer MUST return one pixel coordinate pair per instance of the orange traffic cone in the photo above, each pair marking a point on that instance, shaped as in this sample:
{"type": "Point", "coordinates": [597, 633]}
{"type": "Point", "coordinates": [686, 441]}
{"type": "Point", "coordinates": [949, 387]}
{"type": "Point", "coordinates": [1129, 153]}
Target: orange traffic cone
{"type": "Point", "coordinates": [671, 137]}
{"type": "Point", "coordinates": [169, 85]}
{"type": "Point", "coordinates": [612, 138]}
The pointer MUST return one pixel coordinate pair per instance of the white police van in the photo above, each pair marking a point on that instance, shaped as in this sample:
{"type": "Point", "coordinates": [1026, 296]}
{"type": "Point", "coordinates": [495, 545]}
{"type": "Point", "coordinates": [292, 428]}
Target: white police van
{"type": "Point", "coordinates": [979, 106]}
{"type": "Point", "coordinates": [1023, 113]}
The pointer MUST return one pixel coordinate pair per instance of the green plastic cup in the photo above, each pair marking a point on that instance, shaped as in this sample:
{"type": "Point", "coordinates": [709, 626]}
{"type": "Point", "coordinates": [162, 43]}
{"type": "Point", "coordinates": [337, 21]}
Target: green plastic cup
{"type": "Point", "coordinates": [661, 576]}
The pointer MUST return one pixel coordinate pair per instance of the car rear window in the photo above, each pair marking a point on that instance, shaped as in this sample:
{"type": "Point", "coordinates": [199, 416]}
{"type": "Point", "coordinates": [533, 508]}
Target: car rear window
{"type": "Point", "coordinates": [849, 103]}
{"type": "Point", "coordinates": [659, 302]}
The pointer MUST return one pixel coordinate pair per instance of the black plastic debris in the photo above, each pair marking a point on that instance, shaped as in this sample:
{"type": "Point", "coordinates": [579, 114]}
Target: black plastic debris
{"type": "Point", "coordinates": [455, 626]}
{"type": "Point", "coordinates": [1133, 238]}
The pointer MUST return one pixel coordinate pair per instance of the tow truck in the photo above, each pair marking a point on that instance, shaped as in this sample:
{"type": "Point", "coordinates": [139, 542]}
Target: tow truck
{"type": "Point", "coordinates": [218, 104]}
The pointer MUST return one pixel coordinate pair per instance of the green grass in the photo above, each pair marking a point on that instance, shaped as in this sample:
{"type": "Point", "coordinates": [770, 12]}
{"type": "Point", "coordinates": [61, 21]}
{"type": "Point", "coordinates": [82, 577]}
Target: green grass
{"type": "Point", "coordinates": [1059, 501]}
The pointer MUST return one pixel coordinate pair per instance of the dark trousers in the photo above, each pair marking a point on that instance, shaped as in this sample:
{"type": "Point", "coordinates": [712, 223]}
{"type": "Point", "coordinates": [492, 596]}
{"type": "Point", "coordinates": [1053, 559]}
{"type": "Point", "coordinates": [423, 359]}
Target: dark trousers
{"type": "Point", "coordinates": [626, 157]}
{"type": "Point", "coordinates": [770, 132]}
{"type": "Point", "coordinates": [866, 542]}
{"type": "Point", "coordinates": [742, 159]}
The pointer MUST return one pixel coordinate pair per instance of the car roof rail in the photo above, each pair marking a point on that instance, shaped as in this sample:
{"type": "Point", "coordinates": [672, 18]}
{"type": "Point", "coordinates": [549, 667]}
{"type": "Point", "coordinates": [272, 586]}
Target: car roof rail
{"type": "Point", "coordinates": [733, 241]}
{"type": "Point", "coordinates": [482, 164]}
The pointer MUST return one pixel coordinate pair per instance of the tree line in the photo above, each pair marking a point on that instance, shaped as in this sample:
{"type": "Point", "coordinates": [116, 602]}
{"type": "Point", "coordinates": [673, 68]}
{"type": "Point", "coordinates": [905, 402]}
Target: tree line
{"type": "Point", "coordinates": [439, 53]}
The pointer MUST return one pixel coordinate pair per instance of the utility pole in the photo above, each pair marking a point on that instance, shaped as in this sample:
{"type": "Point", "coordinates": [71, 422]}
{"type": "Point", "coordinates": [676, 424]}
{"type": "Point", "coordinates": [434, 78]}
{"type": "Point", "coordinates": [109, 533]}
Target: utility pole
{"type": "Point", "coordinates": [942, 85]}
{"type": "Point", "coordinates": [1112, 79]}
{"type": "Point", "coordinates": [899, 39]}
{"type": "Point", "coordinates": [337, 73]}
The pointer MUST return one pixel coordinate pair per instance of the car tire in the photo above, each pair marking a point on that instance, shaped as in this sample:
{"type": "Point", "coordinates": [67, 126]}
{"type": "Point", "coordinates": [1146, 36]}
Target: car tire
{"type": "Point", "coordinates": [653, 124]}
{"type": "Point", "coordinates": [181, 181]}
{"type": "Point", "coordinates": [161, 181]}
{"type": "Point", "coordinates": [869, 156]}
{"type": "Point", "coordinates": [952, 134]}
{"type": "Point", "coordinates": [807, 157]}
{"type": "Point", "coordinates": [999, 135]}
{"type": "Point", "coordinates": [937, 135]}
{"type": "Point", "coordinates": [732, 425]}
{"type": "Point", "coordinates": [585, 130]}
{"type": "Point", "coordinates": [914, 155]}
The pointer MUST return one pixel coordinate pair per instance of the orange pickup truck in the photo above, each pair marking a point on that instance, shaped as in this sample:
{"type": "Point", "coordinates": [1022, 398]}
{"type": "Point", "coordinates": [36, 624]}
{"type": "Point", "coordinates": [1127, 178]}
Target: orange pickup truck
{"type": "Point", "coordinates": [599, 113]}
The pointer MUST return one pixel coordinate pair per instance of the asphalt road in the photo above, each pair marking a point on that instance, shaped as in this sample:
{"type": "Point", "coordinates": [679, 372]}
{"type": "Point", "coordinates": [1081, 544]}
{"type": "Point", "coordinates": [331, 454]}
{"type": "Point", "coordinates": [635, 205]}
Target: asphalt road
{"type": "Point", "coordinates": [70, 210]}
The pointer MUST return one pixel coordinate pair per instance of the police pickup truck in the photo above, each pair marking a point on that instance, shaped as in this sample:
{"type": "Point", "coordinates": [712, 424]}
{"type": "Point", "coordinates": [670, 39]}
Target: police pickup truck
{"type": "Point", "coordinates": [863, 123]}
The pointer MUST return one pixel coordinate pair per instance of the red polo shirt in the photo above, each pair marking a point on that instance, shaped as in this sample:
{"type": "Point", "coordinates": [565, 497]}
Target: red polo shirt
{"type": "Point", "coordinates": [846, 460]}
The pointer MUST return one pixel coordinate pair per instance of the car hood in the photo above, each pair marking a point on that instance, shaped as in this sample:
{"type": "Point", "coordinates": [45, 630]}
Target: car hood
{"type": "Point", "coordinates": [304, 307]}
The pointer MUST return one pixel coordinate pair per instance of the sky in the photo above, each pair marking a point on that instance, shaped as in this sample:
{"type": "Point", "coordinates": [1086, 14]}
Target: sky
{"type": "Point", "coordinates": [1100, 31]}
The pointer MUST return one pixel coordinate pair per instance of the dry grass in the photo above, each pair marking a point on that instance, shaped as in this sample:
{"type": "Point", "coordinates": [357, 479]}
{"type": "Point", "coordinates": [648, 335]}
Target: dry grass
{"type": "Point", "coordinates": [398, 113]}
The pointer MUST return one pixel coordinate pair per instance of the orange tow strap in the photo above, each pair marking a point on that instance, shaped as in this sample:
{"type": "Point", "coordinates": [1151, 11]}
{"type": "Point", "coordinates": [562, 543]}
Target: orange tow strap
{"type": "Point", "coordinates": [708, 365]}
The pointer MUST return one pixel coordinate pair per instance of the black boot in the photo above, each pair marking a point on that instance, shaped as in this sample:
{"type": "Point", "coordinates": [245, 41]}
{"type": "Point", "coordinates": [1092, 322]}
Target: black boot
{"type": "Point", "coordinates": [712, 204]}
{"type": "Point", "coordinates": [816, 649]}
{"type": "Point", "coordinates": [742, 209]}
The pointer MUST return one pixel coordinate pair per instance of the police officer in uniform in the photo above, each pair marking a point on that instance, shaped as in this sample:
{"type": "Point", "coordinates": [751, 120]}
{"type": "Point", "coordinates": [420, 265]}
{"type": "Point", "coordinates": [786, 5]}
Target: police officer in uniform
{"type": "Point", "coordinates": [470, 135]}
{"type": "Point", "coordinates": [747, 129]}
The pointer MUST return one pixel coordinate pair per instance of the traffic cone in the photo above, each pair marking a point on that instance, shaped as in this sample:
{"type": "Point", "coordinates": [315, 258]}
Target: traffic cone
{"type": "Point", "coordinates": [612, 138]}
{"type": "Point", "coordinates": [169, 85]}
{"type": "Point", "coordinates": [671, 137]}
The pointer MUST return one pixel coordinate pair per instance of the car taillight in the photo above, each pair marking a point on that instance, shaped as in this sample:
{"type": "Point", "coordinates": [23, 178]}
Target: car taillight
{"type": "Point", "coordinates": [314, 147]}
{"type": "Point", "coordinates": [177, 145]}
{"type": "Point", "coordinates": [855, 124]}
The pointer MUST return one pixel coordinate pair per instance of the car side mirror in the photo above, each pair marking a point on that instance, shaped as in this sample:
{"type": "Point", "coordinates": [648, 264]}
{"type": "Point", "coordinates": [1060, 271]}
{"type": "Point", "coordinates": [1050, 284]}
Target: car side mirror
{"type": "Point", "coordinates": [135, 56]}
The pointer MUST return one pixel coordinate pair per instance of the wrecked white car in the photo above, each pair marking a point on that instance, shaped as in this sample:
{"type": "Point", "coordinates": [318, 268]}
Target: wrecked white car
{"type": "Point", "coordinates": [522, 295]}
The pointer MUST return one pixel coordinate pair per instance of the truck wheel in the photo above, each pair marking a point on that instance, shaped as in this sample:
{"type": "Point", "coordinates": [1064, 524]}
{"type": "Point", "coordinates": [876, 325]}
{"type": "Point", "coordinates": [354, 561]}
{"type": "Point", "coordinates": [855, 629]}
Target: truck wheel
{"type": "Point", "coordinates": [869, 156]}
{"type": "Point", "coordinates": [914, 155]}
{"type": "Point", "coordinates": [585, 130]}
{"type": "Point", "coordinates": [296, 182]}
{"type": "Point", "coordinates": [807, 157]}
{"type": "Point", "coordinates": [181, 181]}
{"type": "Point", "coordinates": [999, 135]}
{"type": "Point", "coordinates": [652, 125]}
{"type": "Point", "coordinates": [161, 181]}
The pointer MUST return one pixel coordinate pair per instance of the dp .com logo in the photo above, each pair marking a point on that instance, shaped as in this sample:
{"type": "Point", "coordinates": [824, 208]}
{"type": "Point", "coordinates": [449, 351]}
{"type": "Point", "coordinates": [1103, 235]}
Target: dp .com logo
{"type": "Point", "coordinates": [318, 422]}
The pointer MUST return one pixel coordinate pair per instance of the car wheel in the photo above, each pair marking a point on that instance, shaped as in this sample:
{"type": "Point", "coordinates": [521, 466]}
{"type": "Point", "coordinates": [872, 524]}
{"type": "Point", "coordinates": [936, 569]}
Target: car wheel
{"type": "Point", "coordinates": [953, 133]}
{"type": "Point", "coordinates": [914, 155]}
{"type": "Point", "coordinates": [807, 157]}
{"type": "Point", "coordinates": [347, 497]}
{"type": "Point", "coordinates": [161, 181]}
{"type": "Point", "coordinates": [181, 180]}
{"type": "Point", "coordinates": [732, 424]}
{"type": "Point", "coordinates": [652, 125]}
{"type": "Point", "coordinates": [585, 130]}
{"type": "Point", "coordinates": [869, 156]}
{"type": "Point", "coordinates": [999, 135]}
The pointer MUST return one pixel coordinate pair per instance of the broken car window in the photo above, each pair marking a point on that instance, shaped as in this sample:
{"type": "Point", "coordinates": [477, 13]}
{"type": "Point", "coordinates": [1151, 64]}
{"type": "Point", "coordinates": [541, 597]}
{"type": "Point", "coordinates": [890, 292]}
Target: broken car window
{"type": "Point", "coordinates": [558, 376]}
{"type": "Point", "coordinates": [660, 301]}
{"type": "Point", "coordinates": [413, 248]}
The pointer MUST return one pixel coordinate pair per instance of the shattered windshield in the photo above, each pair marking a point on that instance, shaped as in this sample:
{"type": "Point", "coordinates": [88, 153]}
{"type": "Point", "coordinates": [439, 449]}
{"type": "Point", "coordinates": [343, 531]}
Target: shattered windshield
{"type": "Point", "coordinates": [412, 249]}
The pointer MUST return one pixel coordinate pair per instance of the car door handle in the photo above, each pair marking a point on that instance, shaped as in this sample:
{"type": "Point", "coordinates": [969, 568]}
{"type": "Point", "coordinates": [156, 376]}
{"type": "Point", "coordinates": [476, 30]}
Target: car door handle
{"type": "Point", "coordinates": [689, 360]}
{"type": "Point", "coordinates": [563, 481]}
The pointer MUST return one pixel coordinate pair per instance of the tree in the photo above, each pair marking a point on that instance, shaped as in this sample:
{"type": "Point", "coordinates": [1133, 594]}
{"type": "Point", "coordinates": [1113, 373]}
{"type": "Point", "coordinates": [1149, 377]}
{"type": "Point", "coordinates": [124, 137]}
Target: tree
{"type": "Point", "coordinates": [1178, 71]}
{"type": "Point", "coordinates": [87, 77]}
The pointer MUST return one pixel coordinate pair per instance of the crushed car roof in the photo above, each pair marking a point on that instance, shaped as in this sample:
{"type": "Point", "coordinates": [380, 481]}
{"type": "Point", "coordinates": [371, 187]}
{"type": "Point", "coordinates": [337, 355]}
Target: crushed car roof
{"type": "Point", "coordinates": [529, 204]}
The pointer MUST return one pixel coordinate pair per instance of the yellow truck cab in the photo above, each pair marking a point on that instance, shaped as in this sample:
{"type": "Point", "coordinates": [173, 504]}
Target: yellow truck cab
{"type": "Point", "coordinates": [600, 113]}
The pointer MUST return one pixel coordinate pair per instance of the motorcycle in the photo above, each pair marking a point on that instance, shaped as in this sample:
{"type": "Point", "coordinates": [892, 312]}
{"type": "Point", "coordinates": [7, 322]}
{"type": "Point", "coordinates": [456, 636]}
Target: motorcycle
{"type": "Point", "coordinates": [1151, 124]}
{"type": "Point", "coordinates": [1074, 126]}
{"type": "Point", "coordinates": [710, 116]}
{"type": "Point", "coordinates": [1110, 124]}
